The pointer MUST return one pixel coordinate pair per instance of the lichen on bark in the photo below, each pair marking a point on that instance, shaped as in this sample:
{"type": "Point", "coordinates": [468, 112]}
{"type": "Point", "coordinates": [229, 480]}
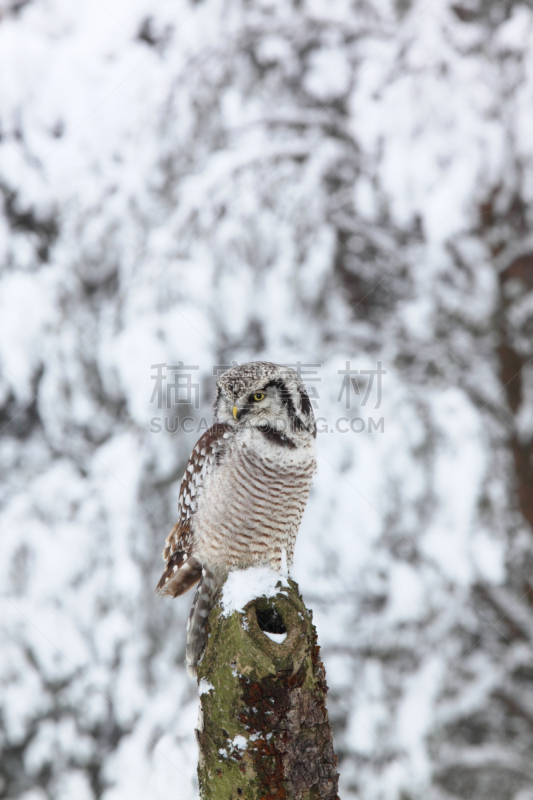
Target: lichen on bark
{"type": "Point", "coordinates": [263, 729]}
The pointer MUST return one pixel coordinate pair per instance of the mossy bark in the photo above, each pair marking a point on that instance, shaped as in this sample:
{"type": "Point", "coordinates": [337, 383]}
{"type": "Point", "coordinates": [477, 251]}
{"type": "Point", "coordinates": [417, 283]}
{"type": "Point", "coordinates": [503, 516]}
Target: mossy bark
{"type": "Point", "coordinates": [263, 728]}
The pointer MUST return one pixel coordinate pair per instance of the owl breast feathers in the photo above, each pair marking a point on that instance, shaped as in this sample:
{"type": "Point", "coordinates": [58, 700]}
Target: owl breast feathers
{"type": "Point", "coordinates": [244, 490]}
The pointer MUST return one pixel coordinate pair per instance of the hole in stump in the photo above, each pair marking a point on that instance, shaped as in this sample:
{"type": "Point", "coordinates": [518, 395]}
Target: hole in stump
{"type": "Point", "coordinates": [270, 621]}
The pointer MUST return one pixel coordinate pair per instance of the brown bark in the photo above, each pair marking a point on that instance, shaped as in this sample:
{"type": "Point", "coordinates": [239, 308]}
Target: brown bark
{"type": "Point", "coordinates": [264, 731]}
{"type": "Point", "coordinates": [512, 366]}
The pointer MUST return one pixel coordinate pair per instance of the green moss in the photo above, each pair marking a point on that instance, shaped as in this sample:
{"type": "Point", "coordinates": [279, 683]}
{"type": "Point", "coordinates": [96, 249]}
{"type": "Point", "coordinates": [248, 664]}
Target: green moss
{"type": "Point", "coordinates": [254, 680]}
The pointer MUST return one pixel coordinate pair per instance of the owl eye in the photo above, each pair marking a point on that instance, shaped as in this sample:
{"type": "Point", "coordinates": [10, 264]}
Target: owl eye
{"type": "Point", "coordinates": [259, 396]}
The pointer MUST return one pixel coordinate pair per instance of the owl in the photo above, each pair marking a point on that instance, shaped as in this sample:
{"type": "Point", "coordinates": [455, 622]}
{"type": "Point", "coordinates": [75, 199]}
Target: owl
{"type": "Point", "coordinates": [244, 490]}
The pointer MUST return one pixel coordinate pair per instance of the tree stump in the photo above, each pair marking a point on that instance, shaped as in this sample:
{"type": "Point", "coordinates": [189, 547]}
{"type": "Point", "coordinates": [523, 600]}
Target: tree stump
{"type": "Point", "coordinates": [263, 730]}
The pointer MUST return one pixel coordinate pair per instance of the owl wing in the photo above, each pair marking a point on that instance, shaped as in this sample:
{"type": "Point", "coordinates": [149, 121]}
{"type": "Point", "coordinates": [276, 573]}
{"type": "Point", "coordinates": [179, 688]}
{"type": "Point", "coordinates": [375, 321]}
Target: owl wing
{"type": "Point", "coordinates": [182, 569]}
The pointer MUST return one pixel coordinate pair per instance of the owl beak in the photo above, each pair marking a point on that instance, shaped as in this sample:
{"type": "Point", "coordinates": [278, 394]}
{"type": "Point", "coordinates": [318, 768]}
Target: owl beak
{"type": "Point", "coordinates": [235, 412]}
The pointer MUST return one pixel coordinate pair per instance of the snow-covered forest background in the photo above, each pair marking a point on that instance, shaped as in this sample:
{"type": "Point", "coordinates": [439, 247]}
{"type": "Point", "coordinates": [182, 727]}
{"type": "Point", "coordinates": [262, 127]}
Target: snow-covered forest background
{"type": "Point", "coordinates": [316, 181]}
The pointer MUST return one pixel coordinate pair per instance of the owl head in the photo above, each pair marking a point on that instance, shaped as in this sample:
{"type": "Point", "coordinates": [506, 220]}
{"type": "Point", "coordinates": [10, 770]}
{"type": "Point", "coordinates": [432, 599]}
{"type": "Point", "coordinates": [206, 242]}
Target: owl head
{"type": "Point", "coordinates": [267, 396]}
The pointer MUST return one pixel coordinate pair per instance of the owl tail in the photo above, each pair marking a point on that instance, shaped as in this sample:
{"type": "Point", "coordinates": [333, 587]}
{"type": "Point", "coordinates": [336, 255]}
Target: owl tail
{"type": "Point", "coordinates": [196, 627]}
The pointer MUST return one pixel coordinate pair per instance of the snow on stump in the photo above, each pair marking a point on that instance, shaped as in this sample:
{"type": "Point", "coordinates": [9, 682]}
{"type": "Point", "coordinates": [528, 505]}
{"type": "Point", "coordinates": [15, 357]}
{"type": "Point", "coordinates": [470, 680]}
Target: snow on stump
{"type": "Point", "coordinates": [263, 729]}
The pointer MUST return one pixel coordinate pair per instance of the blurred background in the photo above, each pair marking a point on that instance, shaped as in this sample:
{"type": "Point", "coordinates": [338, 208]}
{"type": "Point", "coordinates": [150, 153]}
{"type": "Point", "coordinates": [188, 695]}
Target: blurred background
{"type": "Point", "coordinates": [341, 186]}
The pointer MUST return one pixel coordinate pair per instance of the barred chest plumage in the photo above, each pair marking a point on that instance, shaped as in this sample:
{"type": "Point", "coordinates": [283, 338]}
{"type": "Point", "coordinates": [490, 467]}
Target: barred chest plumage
{"type": "Point", "coordinates": [251, 509]}
{"type": "Point", "coordinates": [244, 490]}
